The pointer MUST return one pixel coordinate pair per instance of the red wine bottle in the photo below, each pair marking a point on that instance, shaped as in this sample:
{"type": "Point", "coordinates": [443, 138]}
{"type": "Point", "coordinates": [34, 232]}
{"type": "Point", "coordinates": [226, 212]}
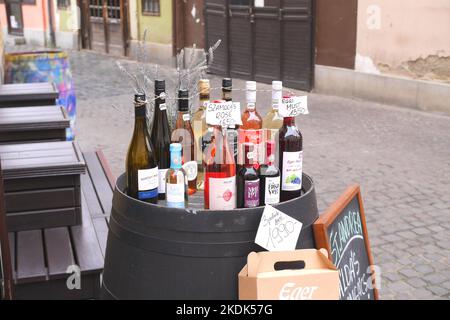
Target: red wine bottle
{"type": "Point", "coordinates": [220, 173]}
{"type": "Point", "coordinates": [248, 179]}
{"type": "Point", "coordinates": [269, 191]}
{"type": "Point", "coordinates": [161, 137]}
{"type": "Point", "coordinates": [291, 159]}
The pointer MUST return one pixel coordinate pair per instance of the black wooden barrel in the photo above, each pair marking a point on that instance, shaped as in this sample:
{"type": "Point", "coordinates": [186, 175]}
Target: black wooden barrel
{"type": "Point", "coordinates": [156, 252]}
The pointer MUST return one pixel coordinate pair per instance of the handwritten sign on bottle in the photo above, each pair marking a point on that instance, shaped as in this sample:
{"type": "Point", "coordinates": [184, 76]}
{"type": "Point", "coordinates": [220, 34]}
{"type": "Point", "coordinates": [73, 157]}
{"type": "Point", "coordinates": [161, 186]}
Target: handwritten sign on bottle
{"type": "Point", "coordinates": [293, 106]}
{"type": "Point", "coordinates": [223, 113]}
{"type": "Point", "coordinates": [277, 231]}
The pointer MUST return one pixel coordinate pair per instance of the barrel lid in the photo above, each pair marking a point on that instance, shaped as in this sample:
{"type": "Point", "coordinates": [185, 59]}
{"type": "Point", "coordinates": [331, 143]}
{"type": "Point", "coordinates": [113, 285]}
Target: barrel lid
{"type": "Point", "coordinates": [30, 160]}
{"type": "Point", "coordinates": [33, 118]}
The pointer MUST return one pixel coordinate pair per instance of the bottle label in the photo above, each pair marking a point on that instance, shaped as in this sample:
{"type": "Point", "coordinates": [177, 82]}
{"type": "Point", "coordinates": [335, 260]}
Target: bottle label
{"type": "Point", "coordinates": [233, 141]}
{"type": "Point", "coordinates": [222, 193]}
{"type": "Point", "coordinates": [292, 171]}
{"type": "Point", "coordinates": [147, 179]}
{"type": "Point", "coordinates": [272, 192]}
{"type": "Point", "coordinates": [147, 183]}
{"type": "Point", "coordinates": [186, 117]}
{"type": "Point", "coordinates": [190, 168]}
{"type": "Point", "coordinates": [251, 194]}
{"type": "Point", "coordinates": [162, 106]}
{"type": "Point", "coordinates": [175, 192]}
{"type": "Point", "coordinates": [162, 180]}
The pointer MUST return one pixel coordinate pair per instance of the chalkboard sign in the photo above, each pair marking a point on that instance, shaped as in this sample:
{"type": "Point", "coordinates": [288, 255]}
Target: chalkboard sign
{"type": "Point", "coordinates": [342, 231]}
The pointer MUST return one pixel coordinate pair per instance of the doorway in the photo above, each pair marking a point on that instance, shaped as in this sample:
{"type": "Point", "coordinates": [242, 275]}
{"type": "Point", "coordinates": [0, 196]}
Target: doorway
{"type": "Point", "coordinates": [14, 17]}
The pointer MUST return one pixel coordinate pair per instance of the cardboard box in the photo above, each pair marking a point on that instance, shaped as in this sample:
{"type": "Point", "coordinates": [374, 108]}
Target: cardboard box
{"type": "Point", "coordinates": [317, 280]}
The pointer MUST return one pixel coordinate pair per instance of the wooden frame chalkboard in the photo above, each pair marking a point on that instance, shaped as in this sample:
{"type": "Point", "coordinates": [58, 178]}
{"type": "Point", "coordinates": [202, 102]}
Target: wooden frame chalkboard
{"type": "Point", "coordinates": [326, 225]}
{"type": "Point", "coordinates": [5, 255]}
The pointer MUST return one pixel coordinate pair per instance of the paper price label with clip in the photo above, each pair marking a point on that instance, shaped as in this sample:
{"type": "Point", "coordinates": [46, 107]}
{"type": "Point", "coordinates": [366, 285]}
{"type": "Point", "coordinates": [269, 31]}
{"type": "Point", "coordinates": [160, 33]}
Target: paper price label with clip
{"type": "Point", "coordinates": [293, 106]}
{"type": "Point", "coordinates": [223, 113]}
{"type": "Point", "coordinates": [277, 231]}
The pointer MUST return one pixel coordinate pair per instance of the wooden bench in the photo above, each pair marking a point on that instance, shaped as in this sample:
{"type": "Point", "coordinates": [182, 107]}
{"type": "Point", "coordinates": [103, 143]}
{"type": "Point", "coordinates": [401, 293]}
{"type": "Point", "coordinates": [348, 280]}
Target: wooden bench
{"type": "Point", "coordinates": [33, 124]}
{"type": "Point", "coordinates": [41, 258]}
{"type": "Point", "coordinates": [28, 94]}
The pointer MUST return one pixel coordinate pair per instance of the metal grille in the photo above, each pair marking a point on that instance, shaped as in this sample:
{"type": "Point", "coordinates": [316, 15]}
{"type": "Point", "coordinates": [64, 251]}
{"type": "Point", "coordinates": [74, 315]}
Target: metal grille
{"type": "Point", "coordinates": [96, 9]}
{"type": "Point", "coordinates": [150, 6]}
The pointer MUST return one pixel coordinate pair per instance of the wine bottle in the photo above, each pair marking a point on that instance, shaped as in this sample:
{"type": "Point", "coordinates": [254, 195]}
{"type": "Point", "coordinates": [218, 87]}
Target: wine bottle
{"type": "Point", "coordinates": [269, 177]}
{"type": "Point", "coordinates": [251, 128]}
{"type": "Point", "coordinates": [227, 85]}
{"type": "Point", "coordinates": [161, 136]}
{"type": "Point", "coordinates": [291, 159]}
{"type": "Point", "coordinates": [248, 180]}
{"type": "Point", "coordinates": [141, 165]}
{"type": "Point", "coordinates": [220, 173]}
{"type": "Point", "coordinates": [272, 122]}
{"type": "Point", "coordinates": [201, 135]}
{"type": "Point", "coordinates": [176, 179]}
{"type": "Point", "coordinates": [184, 135]}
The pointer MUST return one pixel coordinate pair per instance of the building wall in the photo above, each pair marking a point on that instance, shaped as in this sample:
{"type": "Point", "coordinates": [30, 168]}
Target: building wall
{"type": "Point", "coordinates": [159, 27]}
{"type": "Point", "coordinates": [404, 37]}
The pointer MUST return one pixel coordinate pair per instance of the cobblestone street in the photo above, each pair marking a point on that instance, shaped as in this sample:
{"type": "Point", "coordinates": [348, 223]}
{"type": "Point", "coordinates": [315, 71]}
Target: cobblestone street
{"type": "Point", "coordinates": [400, 157]}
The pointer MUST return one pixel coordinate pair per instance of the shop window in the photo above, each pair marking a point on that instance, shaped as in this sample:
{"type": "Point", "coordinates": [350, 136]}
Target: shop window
{"type": "Point", "coordinates": [151, 7]}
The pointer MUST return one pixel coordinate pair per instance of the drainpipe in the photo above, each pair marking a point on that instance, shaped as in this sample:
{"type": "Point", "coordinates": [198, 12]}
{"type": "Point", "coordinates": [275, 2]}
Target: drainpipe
{"type": "Point", "coordinates": [50, 22]}
{"type": "Point", "coordinates": [44, 20]}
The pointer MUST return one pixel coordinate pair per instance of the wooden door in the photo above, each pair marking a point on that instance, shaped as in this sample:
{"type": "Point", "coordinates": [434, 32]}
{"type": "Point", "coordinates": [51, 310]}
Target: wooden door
{"type": "Point", "coordinates": [240, 28]}
{"type": "Point", "coordinates": [14, 17]}
{"type": "Point", "coordinates": [265, 40]}
{"type": "Point", "coordinates": [189, 24]}
{"type": "Point", "coordinates": [105, 26]}
{"type": "Point", "coordinates": [216, 27]}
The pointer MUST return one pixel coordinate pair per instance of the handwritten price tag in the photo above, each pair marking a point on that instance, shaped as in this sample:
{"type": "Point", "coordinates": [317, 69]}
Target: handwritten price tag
{"type": "Point", "coordinates": [223, 113]}
{"type": "Point", "coordinates": [277, 231]}
{"type": "Point", "coordinates": [293, 106]}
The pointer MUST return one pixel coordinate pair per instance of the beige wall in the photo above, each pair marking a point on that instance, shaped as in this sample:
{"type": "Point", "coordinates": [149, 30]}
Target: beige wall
{"type": "Point", "coordinates": [405, 37]}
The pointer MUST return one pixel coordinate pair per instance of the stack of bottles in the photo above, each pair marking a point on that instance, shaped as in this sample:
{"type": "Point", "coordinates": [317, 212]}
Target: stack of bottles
{"type": "Point", "coordinates": [256, 163]}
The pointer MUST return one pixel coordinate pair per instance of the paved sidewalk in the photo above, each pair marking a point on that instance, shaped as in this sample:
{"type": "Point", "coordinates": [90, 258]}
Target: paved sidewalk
{"type": "Point", "coordinates": [400, 157]}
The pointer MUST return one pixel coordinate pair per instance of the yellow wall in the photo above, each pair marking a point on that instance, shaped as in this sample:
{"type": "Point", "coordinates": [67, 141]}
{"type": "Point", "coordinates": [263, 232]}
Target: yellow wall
{"type": "Point", "coordinates": [159, 27]}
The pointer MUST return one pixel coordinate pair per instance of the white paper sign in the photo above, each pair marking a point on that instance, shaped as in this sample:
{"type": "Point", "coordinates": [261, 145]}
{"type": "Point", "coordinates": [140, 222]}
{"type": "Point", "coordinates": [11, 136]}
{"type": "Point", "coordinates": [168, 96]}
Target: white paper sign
{"type": "Point", "coordinates": [259, 3]}
{"type": "Point", "coordinates": [223, 113]}
{"type": "Point", "coordinates": [293, 106]}
{"type": "Point", "coordinates": [277, 231]}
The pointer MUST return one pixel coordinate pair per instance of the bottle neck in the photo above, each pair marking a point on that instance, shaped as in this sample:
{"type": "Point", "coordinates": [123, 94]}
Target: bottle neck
{"type": "Point", "coordinates": [139, 111]}
{"type": "Point", "coordinates": [289, 121]}
{"type": "Point", "coordinates": [251, 100]}
{"type": "Point", "coordinates": [226, 95]}
{"type": "Point", "coordinates": [175, 159]}
{"type": "Point", "coordinates": [276, 98]}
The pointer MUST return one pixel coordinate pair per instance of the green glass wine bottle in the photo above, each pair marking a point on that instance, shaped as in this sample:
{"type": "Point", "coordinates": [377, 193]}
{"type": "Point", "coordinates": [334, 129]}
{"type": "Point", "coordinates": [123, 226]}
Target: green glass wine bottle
{"type": "Point", "coordinates": [141, 166]}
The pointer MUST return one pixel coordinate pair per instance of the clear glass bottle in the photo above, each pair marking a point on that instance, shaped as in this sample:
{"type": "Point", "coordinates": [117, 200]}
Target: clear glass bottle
{"type": "Point", "coordinates": [273, 121]}
{"type": "Point", "coordinates": [201, 135]}
{"type": "Point", "coordinates": [176, 180]}
{"type": "Point", "coordinates": [232, 131]}
{"type": "Point", "coordinates": [269, 178]}
{"type": "Point", "coordinates": [141, 165]}
{"type": "Point", "coordinates": [251, 128]}
{"type": "Point", "coordinates": [220, 173]}
{"type": "Point", "coordinates": [183, 134]}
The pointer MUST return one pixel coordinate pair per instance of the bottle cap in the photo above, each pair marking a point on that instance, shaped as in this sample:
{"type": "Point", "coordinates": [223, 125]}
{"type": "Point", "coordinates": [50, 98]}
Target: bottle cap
{"type": "Point", "coordinates": [174, 147]}
{"type": "Point", "coordinates": [203, 86]}
{"type": "Point", "coordinates": [160, 85]}
{"type": "Point", "coordinates": [227, 83]}
{"type": "Point", "coordinates": [277, 85]}
{"type": "Point", "coordinates": [251, 85]}
{"type": "Point", "coordinates": [140, 98]}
